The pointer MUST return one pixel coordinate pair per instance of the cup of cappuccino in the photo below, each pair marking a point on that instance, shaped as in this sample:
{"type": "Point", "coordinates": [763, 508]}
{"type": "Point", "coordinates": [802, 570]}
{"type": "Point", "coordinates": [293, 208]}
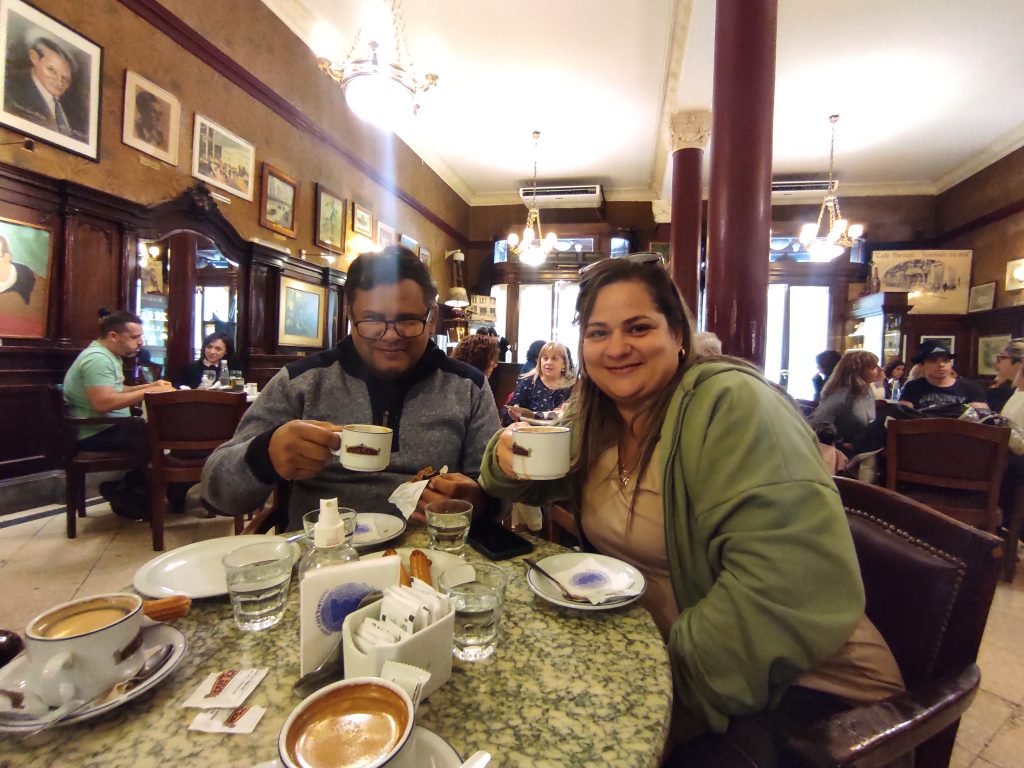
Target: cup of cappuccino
{"type": "Point", "coordinates": [81, 649]}
{"type": "Point", "coordinates": [365, 447]}
{"type": "Point", "coordinates": [540, 452]}
{"type": "Point", "coordinates": [364, 721]}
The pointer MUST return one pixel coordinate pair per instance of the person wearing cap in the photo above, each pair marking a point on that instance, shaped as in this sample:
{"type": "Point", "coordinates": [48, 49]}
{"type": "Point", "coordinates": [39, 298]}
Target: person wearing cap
{"type": "Point", "coordinates": [940, 386]}
{"type": "Point", "coordinates": [1008, 365]}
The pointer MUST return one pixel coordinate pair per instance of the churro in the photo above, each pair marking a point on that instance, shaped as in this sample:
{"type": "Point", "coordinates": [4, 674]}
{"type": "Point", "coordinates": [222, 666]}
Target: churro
{"type": "Point", "coordinates": [419, 565]}
{"type": "Point", "coordinates": [403, 576]}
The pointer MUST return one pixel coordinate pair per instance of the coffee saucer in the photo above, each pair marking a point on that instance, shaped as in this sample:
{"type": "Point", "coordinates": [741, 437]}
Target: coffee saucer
{"type": "Point", "coordinates": [373, 528]}
{"type": "Point", "coordinates": [12, 678]}
{"type": "Point", "coordinates": [429, 749]}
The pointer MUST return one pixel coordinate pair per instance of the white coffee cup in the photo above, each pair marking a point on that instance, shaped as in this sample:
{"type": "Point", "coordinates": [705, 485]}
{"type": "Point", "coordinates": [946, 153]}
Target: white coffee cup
{"type": "Point", "coordinates": [81, 649]}
{"type": "Point", "coordinates": [252, 388]}
{"type": "Point", "coordinates": [540, 452]}
{"type": "Point", "coordinates": [365, 721]}
{"type": "Point", "coordinates": [365, 447]}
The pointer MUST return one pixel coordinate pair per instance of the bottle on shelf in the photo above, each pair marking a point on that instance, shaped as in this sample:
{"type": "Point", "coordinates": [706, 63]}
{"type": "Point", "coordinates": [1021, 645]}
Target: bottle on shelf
{"type": "Point", "coordinates": [332, 540]}
{"type": "Point", "coordinates": [224, 378]}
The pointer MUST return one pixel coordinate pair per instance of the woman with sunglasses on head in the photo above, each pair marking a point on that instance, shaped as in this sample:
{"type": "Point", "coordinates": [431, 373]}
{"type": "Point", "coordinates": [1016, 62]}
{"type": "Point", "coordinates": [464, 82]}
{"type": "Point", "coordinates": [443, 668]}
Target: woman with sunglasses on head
{"type": "Point", "coordinates": [1004, 385]}
{"type": "Point", "coordinates": [704, 477]}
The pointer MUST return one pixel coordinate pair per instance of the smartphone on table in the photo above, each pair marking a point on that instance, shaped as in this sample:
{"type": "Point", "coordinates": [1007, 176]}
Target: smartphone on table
{"type": "Point", "coordinates": [495, 542]}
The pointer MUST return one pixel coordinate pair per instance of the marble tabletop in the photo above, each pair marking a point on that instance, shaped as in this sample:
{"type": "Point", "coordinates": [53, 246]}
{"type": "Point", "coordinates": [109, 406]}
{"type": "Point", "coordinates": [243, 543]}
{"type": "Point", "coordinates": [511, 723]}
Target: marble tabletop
{"type": "Point", "coordinates": [564, 688]}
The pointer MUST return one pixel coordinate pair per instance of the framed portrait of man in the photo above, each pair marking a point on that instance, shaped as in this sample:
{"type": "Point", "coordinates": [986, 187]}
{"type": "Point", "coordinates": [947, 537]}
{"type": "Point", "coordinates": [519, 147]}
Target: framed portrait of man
{"type": "Point", "coordinates": [152, 118]}
{"type": "Point", "coordinates": [51, 80]}
{"type": "Point", "coordinates": [25, 266]}
{"type": "Point", "coordinates": [330, 220]}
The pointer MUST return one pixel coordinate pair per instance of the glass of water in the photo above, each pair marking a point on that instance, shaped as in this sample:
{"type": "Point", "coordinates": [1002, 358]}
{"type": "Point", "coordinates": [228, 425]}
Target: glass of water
{"type": "Point", "coordinates": [477, 593]}
{"type": "Point", "coordinates": [448, 524]}
{"type": "Point", "coordinates": [258, 576]}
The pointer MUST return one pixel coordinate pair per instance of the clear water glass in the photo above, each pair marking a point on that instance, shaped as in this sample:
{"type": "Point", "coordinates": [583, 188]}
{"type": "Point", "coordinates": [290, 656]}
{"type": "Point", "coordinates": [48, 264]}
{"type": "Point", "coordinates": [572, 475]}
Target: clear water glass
{"type": "Point", "coordinates": [448, 524]}
{"type": "Point", "coordinates": [477, 593]}
{"type": "Point", "coordinates": [209, 377]}
{"type": "Point", "coordinates": [258, 577]}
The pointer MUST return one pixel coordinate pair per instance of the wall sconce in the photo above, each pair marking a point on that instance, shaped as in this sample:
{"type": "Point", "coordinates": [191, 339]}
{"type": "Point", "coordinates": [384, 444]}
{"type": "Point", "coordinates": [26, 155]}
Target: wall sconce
{"type": "Point", "coordinates": [328, 257]}
{"type": "Point", "coordinates": [456, 296]}
{"type": "Point", "coordinates": [27, 144]}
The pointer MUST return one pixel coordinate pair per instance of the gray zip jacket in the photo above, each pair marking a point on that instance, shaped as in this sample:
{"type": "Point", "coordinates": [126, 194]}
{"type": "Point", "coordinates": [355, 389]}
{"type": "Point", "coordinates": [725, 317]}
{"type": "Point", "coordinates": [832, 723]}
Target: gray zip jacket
{"type": "Point", "coordinates": [442, 412]}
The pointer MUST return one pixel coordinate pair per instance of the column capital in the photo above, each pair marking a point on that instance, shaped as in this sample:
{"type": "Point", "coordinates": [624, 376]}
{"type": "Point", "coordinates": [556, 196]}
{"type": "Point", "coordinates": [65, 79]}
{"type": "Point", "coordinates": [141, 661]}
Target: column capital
{"type": "Point", "coordinates": [690, 130]}
{"type": "Point", "coordinates": [662, 210]}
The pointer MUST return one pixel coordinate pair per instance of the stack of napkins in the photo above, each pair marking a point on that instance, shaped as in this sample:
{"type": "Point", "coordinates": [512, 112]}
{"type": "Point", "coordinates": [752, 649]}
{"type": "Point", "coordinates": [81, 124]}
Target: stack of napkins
{"type": "Point", "coordinates": [599, 584]}
{"type": "Point", "coordinates": [403, 612]}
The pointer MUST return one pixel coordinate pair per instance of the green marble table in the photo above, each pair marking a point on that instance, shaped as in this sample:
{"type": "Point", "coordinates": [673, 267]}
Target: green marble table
{"type": "Point", "coordinates": [564, 688]}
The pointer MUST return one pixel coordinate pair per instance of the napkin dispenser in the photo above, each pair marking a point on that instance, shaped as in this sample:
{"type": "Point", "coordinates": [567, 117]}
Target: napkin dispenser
{"type": "Point", "coordinates": [429, 649]}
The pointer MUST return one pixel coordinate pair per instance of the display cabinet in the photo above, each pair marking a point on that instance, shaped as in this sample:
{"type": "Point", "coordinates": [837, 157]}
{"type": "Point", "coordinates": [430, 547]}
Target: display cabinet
{"type": "Point", "coordinates": [879, 324]}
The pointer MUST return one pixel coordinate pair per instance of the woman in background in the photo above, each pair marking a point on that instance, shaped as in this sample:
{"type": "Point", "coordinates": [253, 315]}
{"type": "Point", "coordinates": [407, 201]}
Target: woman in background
{"type": "Point", "coordinates": [1008, 364]}
{"type": "Point", "coordinates": [826, 361]}
{"type": "Point", "coordinates": [216, 347]}
{"type": "Point", "coordinates": [480, 351]}
{"type": "Point", "coordinates": [894, 371]}
{"type": "Point", "coordinates": [546, 387]}
{"type": "Point", "coordinates": [531, 356]}
{"type": "Point", "coordinates": [847, 400]}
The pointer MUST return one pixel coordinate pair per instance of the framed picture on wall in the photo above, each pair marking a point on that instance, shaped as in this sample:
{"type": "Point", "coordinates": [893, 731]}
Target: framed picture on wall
{"type": "Point", "coordinates": [279, 200]}
{"type": "Point", "coordinates": [222, 159]}
{"type": "Point", "coordinates": [330, 220]}
{"type": "Point", "coordinates": [949, 342]}
{"type": "Point", "coordinates": [385, 235]}
{"type": "Point", "coordinates": [409, 242]}
{"type": "Point", "coordinates": [988, 348]}
{"type": "Point", "coordinates": [425, 255]}
{"type": "Point", "coordinates": [152, 117]}
{"type": "Point", "coordinates": [303, 307]}
{"type": "Point", "coordinates": [662, 249]}
{"type": "Point", "coordinates": [25, 268]}
{"type": "Point", "coordinates": [1015, 275]}
{"type": "Point", "coordinates": [982, 297]}
{"type": "Point", "coordinates": [66, 64]}
{"type": "Point", "coordinates": [362, 220]}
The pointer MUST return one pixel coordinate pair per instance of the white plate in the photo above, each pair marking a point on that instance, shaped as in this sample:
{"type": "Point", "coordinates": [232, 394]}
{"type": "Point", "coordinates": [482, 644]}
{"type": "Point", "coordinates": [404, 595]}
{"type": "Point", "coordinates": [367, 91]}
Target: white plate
{"type": "Point", "coordinates": [430, 750]}
{"type": "Point", "coordinates": [12, 678]}
{"type": "Point", "coordinates": [388, 528]}
{"type": "Point", "coordinates": [194, 570]}
{"type": "Point", "coordinates": [543, 587]}
{"type": "Point", "coordinates": [439, 561]}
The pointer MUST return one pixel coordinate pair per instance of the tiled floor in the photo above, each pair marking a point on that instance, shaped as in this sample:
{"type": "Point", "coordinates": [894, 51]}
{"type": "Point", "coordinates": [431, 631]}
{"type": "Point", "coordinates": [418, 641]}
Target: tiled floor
{"type": "Point", "coordinates": [40, 567]}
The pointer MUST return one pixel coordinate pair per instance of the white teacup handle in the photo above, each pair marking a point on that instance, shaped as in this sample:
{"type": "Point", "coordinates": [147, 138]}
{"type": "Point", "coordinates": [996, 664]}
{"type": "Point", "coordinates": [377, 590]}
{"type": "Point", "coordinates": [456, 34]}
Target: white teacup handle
{"type": "Point", "coordinates": [50, 679]}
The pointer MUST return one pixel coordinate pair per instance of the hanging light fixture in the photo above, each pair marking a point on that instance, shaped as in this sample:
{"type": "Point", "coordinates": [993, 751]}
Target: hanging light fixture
{"type": "Point", "coordinates": [377, 75]}
{"type": "Point", "coordinates": [841, 234]}
{"type": "Point", "coordinates": [532, 246]}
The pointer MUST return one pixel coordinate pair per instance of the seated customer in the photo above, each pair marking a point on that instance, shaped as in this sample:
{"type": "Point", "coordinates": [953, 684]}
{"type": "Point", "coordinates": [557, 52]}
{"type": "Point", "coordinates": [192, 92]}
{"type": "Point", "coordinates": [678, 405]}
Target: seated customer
{"type": "Point", "coordinates": [894, 371]}
{"type": "Point", "coordinates": [480, 351]}
{"type": "Point", "coordinates": [1008, 365]}
{"type": "Point", "coordinates": [216, 347]}
{"type": "Point", "coordinates": [546, 387]}
{"type": "Point", "coordinates": [387, 372]}
{"type": "Point", "coordinates": [701, 475]}
{"type": "Point", "coordinates": [939, 385]}
{"type": "Point", "coordinates": [847, 400]}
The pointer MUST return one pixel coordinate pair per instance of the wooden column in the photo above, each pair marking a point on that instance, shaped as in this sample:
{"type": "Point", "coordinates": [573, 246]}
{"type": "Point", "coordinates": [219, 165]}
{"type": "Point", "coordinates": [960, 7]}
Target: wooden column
{"type": "Point", "coordinates": [690, 132]}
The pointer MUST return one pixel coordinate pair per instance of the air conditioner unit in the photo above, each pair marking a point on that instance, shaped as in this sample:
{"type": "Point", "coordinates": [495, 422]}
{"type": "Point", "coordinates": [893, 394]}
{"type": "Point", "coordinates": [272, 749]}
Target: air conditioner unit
{"type": "Point", "coordinates": [799, 185]}
{"type": "Point", "coordinates": [580, 196]}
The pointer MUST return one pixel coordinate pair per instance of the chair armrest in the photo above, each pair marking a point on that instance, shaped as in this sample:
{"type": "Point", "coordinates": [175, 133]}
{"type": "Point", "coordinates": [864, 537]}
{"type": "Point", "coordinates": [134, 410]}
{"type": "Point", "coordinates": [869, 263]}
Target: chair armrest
{"type": "Point", "coordinates": [77, 421]}
{"type": "Point", "coordinates": [875, 735]}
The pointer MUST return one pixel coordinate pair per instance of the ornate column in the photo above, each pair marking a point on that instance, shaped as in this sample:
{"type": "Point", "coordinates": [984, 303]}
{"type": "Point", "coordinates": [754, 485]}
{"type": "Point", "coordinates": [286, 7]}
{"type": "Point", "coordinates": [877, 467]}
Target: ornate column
{"type": "Point", "coordinates": [739, 201]}
{"type": "Point", "coordinates": [690, 131]}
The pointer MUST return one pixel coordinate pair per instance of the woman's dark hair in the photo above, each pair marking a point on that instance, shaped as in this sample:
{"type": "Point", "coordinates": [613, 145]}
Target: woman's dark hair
{"type": "Point", "coordinates": [892, 365]}
{"type": "Point", "coordinates": [532, 352]}
{"type": "Point", "coordinates": [827, 361]}
{"type": "Point", "coordinates": [389, 266]}
{"type": "Point", "coordinates": [115, 322]}
{"type": "Point", "coordinates": [220, 336]}
{"type": "Point", "coordinates": [479, 350]}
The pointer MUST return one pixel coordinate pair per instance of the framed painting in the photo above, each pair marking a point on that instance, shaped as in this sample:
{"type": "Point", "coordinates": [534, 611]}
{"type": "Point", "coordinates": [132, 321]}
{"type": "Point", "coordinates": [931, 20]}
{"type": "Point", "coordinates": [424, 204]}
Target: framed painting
{"type": "Point", "coordinates": [941, 279]}
{"type": "Point", "coordinates": [66, 65]}
{"type": "Point", "coordinates": [1015, 275]}
{"type": "Point", "coordinates": [222, 159]}
{"type": "Point", "coordinates": [152, 117]}
{"type": "Point", "coordinates": [409, 242]}
{"type": "Point", "coordinates": [425, 255]}
{"type": "Point", "coordinates": [385, 235]}
{"type": "Point", "coordinates": [662, 249]}
{"type": "Point", "coordinates": [303, 307]}
{"type": "Point", "coordinates": [25, 268]}
{"type": "Point", "coordinates": [362, 220]}
{"type": "Point", "coordinates": [330, 220]}
{"type": "Point", "coordinates": [949, 342]}
{"type": "Point", "coordinates": [982, 297]}
{"type": "Point", "coordinates": [279, 200]}
{"type": "Point", "coordinates": [988, 348]}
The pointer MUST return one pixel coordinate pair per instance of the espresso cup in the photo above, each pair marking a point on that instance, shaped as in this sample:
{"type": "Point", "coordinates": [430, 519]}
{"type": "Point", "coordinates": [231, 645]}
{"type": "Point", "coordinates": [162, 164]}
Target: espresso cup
{"type": "Point", "coordinates": [365, 447]}
{"type": "Point", "coordinates": [540, 453]}
{"type": "Point", "coordinates": [81, 649]}
{"type": "Point", "coordinates": [365, 722]}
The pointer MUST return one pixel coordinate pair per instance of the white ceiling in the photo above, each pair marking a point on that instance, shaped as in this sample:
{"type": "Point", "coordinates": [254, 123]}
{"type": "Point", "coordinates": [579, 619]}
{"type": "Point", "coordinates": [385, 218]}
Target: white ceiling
{"type": "Point", "coordinates": [929, 91]}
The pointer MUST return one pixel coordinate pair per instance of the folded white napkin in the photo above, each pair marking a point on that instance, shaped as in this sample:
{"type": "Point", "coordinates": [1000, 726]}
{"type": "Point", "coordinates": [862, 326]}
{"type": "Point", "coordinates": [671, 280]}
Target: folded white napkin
{"type": "Point", "coordinates": [407, 495]}
{"type": "Point", "coordinates": [596, 582]}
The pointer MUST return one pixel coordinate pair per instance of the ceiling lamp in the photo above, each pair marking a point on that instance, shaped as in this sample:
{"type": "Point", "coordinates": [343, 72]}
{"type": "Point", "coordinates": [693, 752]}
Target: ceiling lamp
{"type": "Point", "coordinates": [377, 75]}
{"type": "Point", "coordinates": [841, 234]}
{"type": "Point", "coordinates": [532, 246]}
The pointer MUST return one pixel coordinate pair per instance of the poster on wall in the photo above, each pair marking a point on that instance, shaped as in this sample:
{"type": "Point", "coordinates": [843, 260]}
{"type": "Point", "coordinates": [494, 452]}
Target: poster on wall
{"type": "Point", "coordinates": [938, 282]}
{"type": "Point", "coordinates": [24, 279]}
{"type": "Point", "coordinates": [51, 80]}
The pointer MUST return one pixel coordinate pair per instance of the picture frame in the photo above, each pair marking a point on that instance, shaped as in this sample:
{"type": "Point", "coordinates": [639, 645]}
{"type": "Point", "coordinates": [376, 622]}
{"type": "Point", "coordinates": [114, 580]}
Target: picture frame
{"type": "Point", "coordinates": [279, 201]}
{"type": "Point", "coordinates": [988, 348]}
{"type": "Point", "coordinates": [939, 279]}
{"type": "Point", "coordinates": [222, 159]}
{"type": "Point", "coordinates": [1015, 275]}
{"type": "Point", "coordinates": [152, 118]}
{"type": "Point", "coordinates": [409, 242]}
{"type": "Point", "coordinates": [362, 220]}
{"type": "Point", "coordinates": [385, 235]}
{"type": "Point", "coordinates": [662, 249]}
{"type": "Point", "coordinates": [301, 313]}
{"type": "Point", "coordinates": [982, 297]}
{"type": "Point", "coordinates": [35, 40]}
{"type": "Point", "coordinates": [949, 342]}
{"type": "Point", "coordinates": [330, 220]}
{"type": "Point", "coordinates": [425, 255]}
{"type": "Point", "coordinates": [25, 305]}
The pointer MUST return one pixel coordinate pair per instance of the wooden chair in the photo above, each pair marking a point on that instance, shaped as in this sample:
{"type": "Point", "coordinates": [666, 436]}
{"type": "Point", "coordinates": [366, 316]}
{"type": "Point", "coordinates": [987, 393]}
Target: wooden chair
{"type": "Point", "coordinates": [929, 582]}
{"type": "Point", "coordinates": [184, 429]}
{"type": "Point", "coordinates": [78, 463]}
{"type": "Point", "coordinates": [560, 526]}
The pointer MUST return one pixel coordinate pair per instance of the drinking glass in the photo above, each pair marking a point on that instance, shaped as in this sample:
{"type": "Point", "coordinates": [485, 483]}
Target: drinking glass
{"type": "Point", "coordinates": [477, 593]}
{"type": "Point", "coordinates": [258, 576]}
{"type": "Point", "coordinates": [448, 524]}
{"type": "Point", "coordinates": [209, 378]}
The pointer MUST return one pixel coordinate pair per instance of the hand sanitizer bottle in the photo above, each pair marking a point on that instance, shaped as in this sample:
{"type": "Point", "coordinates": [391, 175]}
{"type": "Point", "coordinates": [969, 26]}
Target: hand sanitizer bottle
{"type": "Point", "coordinates": [332, 536]}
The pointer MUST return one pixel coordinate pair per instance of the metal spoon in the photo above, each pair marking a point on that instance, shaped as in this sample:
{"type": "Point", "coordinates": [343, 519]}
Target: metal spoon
{"type": "Point", "coordinates": [477, 760]}
{"type": "Point", "coordinates": [565, 592]}
{"type": "Point", "coordinates": [332, 668]}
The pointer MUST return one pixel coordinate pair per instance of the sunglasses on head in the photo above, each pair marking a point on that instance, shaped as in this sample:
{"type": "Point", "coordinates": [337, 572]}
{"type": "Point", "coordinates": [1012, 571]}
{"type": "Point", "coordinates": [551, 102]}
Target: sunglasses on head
{"type": "Point", "coordinates": [645, 257]}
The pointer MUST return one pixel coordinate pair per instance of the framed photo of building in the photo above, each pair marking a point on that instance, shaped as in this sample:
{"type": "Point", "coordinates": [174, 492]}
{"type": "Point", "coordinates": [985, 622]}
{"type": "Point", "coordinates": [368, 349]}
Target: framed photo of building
{"type": "Point", "coordinates": [222, 159]}
{"type": "Point", "coordinates": [152, 117]}
{"type": "Point", "coordinates": [330, 220]}
{"type": "Point", "coordinates": [362, 220]}
{"type": "Point", "coordinates": [25, 268]}
{"type": "Point", "coordinates": [385, 235]}
{"type": "Point", "coordinates": [303, 307]}
{"type": "Point", "coordinates": [988, 348]}
{"type": "Point", "coordinates": [64, 108]}
{"type": "Point", "coordinates": [940, 279]}
{"type": "Point", "coordinates": [982, 297]}
{"type": "Point", "coordinates": [279, 200]}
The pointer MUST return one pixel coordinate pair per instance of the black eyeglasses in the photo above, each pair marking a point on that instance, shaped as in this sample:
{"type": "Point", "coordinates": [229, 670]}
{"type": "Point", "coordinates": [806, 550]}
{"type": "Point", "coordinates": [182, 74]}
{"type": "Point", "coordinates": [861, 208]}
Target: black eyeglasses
{"type": "Point", "coordinates": [646, 257]}
{"type": "Point", "coordinates": [406, 327]}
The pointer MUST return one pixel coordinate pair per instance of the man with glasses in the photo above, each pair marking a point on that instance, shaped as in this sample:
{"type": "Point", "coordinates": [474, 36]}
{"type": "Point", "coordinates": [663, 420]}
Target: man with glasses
{"type": "Point", "coordinates": [386, 372]}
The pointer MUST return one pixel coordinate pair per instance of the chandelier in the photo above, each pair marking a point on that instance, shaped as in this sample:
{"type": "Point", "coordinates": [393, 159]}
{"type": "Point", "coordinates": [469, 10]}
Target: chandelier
{"type": "Point", "coordinates": [532, 247]}
{"type": "Point", "coordinates": [377, 75]}
{"type": "Point", "coordinates": [841, 234]}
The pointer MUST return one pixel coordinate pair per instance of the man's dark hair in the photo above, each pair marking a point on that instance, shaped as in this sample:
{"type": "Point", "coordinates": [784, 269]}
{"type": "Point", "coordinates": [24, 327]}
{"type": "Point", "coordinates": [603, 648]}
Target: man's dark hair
{"type": "Point", "coordinates": [145, 102]}
{"type": "Point", "coordinates": [116, 322]}
{"type": "Point", "coordinates": [41, 44]}
{"type": "Point", "coordinates": [387, 267]}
